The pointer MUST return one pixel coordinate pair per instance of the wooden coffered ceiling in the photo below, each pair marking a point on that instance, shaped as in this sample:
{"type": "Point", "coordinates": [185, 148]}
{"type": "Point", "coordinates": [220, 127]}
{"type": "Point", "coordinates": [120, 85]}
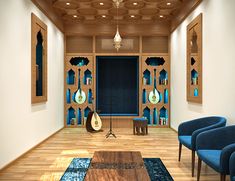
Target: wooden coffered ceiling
{"type": "Point", "coordinates": [71, 15]}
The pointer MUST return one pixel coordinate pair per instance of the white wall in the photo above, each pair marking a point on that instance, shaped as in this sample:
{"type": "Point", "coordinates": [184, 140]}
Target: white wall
{"type": "Point", "coordinates": [218, 64]}
{"type": "Point", "coordinates": [23, 125]}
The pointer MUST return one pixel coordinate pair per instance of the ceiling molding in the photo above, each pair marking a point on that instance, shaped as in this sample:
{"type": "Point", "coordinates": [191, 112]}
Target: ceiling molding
{"type": "Point", "coordinates": [183, 13]}
{"type": "Point", "coordinates": [48, 10]}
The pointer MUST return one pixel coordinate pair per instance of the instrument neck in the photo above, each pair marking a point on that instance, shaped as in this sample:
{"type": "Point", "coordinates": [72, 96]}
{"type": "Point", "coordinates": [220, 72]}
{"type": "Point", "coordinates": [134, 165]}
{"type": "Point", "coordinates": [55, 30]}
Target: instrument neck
{"type": "Point", "coordinates": [79, 83]}
{"type": "Point", "coordinates": [155, 81]}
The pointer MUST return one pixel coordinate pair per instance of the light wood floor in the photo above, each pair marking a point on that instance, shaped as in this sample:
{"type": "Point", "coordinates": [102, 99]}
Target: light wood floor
{"type": "Point", "coordinates": [49, 160]}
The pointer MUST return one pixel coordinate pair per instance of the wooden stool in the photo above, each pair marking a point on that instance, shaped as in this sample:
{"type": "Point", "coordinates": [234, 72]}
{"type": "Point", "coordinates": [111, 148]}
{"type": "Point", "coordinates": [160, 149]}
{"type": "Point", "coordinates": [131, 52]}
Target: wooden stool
{"type": "Point", "coordinates": [140, 126]}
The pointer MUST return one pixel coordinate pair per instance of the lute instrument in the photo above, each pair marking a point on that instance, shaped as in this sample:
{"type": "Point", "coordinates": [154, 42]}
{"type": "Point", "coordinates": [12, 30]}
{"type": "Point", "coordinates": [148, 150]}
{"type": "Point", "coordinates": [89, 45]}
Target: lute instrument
{"type": "Point", "coordinates": [154, 95]}
{"type": "Point", "coordinates": [80, 96]}
{"type": "Point", "coordinates": [93, 122]}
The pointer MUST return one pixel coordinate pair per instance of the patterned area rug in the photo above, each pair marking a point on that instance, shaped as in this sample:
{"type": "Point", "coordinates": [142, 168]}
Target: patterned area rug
{"type": "Point", "coordinates": [79, 166]}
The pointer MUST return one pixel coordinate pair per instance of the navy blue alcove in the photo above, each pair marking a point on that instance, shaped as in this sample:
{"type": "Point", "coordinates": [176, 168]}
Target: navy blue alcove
{"type": "Point", "coordinates": [39, 62]}
{"type": "Point", "coordinates": [117, 86]}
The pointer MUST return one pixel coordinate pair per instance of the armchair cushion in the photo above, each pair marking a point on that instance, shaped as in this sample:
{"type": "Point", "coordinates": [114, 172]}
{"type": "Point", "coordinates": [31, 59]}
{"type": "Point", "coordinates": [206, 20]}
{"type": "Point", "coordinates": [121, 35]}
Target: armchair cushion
{"type": "Point", "coordinates": [211, 157]}
{"type": "Point", "coordinates": [186, 140]}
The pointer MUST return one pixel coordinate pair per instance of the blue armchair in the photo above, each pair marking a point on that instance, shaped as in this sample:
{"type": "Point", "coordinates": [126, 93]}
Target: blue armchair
{"type": "Point", "coordinates": [232, 166]}
{"type": "Point", "coordinates": [214, 147]}
{"type": "Point", "coordinates": [188, 132]}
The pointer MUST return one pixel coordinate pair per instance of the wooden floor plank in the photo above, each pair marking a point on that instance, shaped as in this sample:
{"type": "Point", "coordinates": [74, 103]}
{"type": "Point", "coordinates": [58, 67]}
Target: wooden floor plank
{"type": "Point", "coordinates": [49, 160]}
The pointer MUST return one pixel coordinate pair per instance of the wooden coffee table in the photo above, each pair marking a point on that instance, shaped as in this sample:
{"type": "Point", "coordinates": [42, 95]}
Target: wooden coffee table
{"type": "Point", "coordinates": [117, 166]}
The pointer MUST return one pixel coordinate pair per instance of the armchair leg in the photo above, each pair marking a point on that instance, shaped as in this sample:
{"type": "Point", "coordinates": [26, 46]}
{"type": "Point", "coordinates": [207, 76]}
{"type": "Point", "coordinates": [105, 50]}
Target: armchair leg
{"type": "Point", "coordinates": [193, 162]}
{"type": "Point", "coordinates": [180, 148]}
{"type": "Point", "coordinates": [222, 177]}
{"type": "Point", "coordinates": [199, 168]}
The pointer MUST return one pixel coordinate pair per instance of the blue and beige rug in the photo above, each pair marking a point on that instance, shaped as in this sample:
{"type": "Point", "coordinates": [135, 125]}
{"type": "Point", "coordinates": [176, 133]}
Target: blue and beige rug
{"type": "Point", "coordinates": [79, 166]}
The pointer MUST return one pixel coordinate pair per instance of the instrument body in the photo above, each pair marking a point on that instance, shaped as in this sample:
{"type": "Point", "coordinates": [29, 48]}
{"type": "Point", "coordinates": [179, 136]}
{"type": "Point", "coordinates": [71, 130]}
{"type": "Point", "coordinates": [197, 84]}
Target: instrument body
{"type": "Point", "coordinates": [80, 96]}
{"type": "Point", "coordinates": [154, 95]}
{"type": "Point", "coordinates": [93, 122]}
{"type": "Point", "coordinates": [96, 122]}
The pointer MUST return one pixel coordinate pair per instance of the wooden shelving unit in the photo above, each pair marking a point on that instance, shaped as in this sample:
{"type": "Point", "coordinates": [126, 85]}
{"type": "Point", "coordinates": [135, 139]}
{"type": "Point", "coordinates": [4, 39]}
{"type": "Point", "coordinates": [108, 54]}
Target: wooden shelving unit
{"type": "Point", "coordinates": [91, 47]}
{"type": "Point", "coordinates": [194, 60]}
{"type": "Point", "coordinates": [157, 114]}
{"type": "Point", "coordinates": [72, 108]}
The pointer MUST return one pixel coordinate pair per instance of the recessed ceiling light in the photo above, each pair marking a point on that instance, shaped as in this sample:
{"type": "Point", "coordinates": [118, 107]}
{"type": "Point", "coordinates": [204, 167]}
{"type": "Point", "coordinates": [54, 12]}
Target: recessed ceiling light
{"type": "Point", "coordinates": [135, 4]}
{"type": "Point", "coordinates": [67, 4]}
{"type": "Point", "coordinates": [75, 16]}
{"type": "Point", "coordinates": [132, 16]}
{"type": "Point", "coordinates": [168, 4]}
{"type": "Point", "coordinates": [101, 4]}
{"type": "Point", "coordinates": [161, 16]}
{"type": "Point", "coordinates": [103, 16]}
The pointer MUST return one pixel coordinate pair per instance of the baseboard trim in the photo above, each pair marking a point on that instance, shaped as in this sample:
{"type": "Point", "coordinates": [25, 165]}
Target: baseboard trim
{"type": "Point", "coordinates": [23, 154]}
{"type": "Point", "coordinates": [174, 130]}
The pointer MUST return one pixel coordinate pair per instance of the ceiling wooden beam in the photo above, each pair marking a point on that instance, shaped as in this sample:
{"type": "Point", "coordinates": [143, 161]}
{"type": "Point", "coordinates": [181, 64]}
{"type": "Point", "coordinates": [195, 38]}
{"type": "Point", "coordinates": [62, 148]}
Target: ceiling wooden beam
{"type": "Point", "coordinates": [188, 7]}
{"type": "Point", "coordinates": [47, 9]}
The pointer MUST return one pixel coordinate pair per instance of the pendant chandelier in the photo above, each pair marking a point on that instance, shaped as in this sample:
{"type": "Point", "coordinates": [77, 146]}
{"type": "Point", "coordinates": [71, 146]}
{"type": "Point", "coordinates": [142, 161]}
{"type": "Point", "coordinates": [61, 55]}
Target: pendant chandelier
{"type": "Point", "coordinates": [117, 38]}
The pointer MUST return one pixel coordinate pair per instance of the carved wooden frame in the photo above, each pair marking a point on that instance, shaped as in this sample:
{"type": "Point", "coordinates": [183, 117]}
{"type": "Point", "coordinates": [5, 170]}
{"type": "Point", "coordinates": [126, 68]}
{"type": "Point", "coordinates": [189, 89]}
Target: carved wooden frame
{"type": "Point", "coordinates": [36, 26]}
{"type": "Point", "coordinates": [194, 27]}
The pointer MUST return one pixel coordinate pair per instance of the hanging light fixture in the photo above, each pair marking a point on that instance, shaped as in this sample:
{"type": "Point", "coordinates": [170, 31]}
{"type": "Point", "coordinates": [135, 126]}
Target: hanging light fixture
{"type": "Point", "coordinates": [117, 38]}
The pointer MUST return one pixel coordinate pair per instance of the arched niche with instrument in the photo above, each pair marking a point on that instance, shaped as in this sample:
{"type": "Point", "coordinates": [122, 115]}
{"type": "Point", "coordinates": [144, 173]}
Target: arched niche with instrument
{"type": "Point", "coordinates": [93, 122]}
{"type": "Point", "coordinates": [154, 95]}
{"type": "Point", "coordinates": [80, 96]}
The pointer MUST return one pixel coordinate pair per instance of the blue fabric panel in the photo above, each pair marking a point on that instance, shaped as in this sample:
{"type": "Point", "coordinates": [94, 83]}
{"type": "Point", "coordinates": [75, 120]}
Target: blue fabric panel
{"type": "Point", "coordinates": [211, 158]}
{"type": "Point", "coordinates": [117, 85]}
{"type": "Point", "coordinates": [186, 141]}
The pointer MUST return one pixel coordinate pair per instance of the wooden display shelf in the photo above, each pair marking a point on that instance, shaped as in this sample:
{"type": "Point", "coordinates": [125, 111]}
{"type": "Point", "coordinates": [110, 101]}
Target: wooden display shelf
{"type": "Point", "coordinates": [118, 121]}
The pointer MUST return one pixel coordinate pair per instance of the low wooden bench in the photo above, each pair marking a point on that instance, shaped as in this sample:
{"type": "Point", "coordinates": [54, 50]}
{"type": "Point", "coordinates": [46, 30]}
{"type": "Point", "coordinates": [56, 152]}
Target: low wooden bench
{"type": "Point", "coordinates": [140, 126]}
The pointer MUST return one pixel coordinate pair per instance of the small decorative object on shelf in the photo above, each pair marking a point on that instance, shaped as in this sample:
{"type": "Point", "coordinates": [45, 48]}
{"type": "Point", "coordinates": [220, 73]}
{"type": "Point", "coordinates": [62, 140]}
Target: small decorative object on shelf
{"type": "Point", "coordinates": [194, 60]}
{"type": "Point", "coordinates": [163, 79]}
{"type": "Point", "coordinates": [79, 61]}
{"type": "Point", "coordinates": [146, 77]}
{"type": "Point", "coordinates": [73, 121]}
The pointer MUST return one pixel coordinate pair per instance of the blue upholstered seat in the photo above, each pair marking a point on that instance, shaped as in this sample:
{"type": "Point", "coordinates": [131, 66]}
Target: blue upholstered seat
{"type": "Point", "coordinates": [214, 147]}
{"type": "Point", "coordinates": [211, 157]}
{"type": "Point", "coordinates": [232, 166]}
{"type": "Point", "coordinates": [186, 141]}
{"type": "Point", "coordinates": [140, 119]}
{"type": "Point", "coordinates": [189, 130]}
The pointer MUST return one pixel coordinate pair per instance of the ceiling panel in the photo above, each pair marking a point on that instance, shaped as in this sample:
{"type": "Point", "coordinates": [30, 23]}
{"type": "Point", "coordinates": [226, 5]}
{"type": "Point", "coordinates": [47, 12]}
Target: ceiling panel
{"type": "Point", "coordinates": [103, 11]}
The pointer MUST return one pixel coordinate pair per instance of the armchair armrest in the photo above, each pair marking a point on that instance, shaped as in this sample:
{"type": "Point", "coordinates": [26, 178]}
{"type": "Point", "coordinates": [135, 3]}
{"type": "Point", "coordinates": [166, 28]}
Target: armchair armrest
{"type": "Point", "coordinates": [216, 139]}
{"type": "Point", "coordinates": [188, 127]}
{"type": "Point", "coordinates": [232, 166]}
{"type": "Point", "coordinates": [225, 156]}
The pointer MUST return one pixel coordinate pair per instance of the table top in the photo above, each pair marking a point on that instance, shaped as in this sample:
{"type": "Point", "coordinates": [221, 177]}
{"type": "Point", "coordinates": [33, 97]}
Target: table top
{"type": "Point", "coordinates": [117, 175]}
{"type": "Point", "coordinates": [117, 166]}
{"type": "Point", "coordinates": [117, 157]}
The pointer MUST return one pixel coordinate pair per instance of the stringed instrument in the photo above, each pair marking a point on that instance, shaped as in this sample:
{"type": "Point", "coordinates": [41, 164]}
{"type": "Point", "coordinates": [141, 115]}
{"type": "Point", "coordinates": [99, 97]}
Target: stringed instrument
{"type": "Point", "coordinates": [93, 122]}
{"type": "Point", "coordinates": [154, 95]}
{"type": "Point", "coordinates": [80, 96]}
